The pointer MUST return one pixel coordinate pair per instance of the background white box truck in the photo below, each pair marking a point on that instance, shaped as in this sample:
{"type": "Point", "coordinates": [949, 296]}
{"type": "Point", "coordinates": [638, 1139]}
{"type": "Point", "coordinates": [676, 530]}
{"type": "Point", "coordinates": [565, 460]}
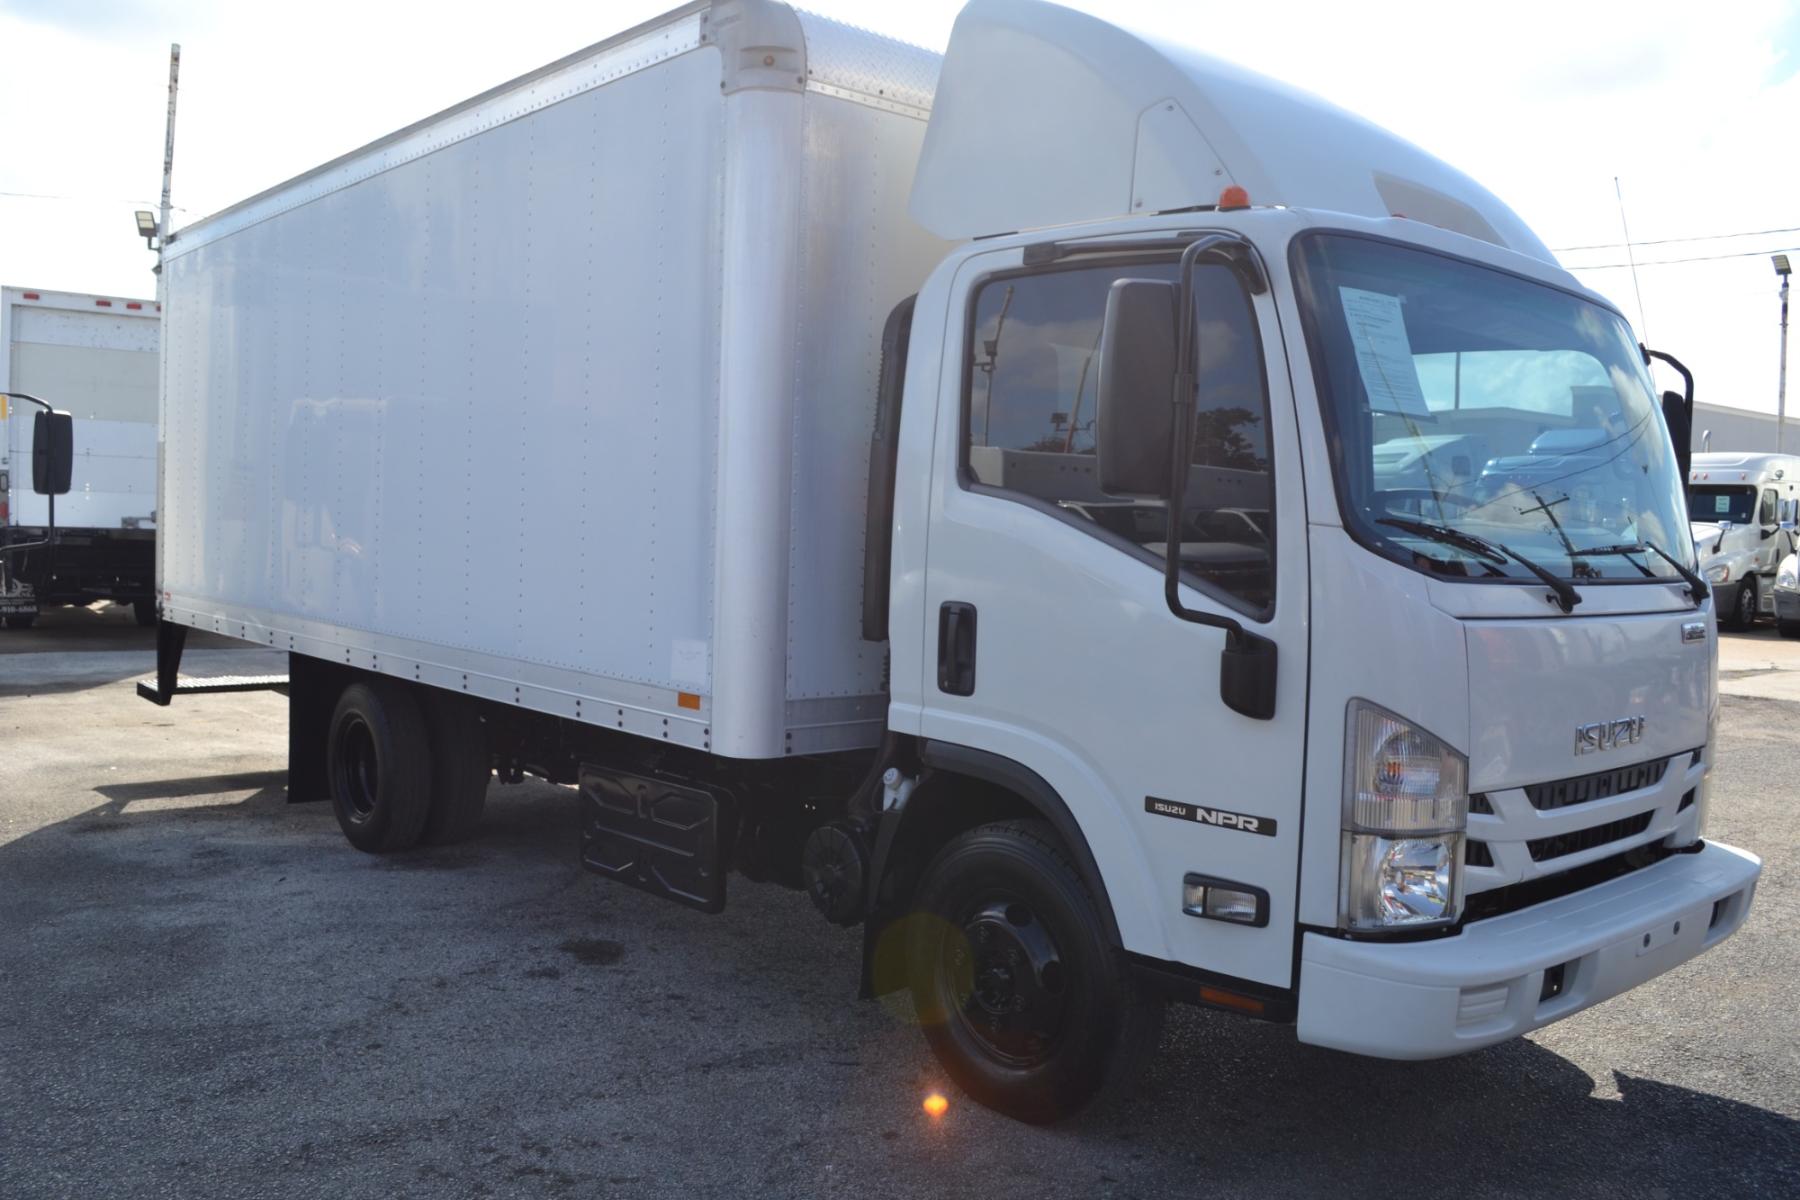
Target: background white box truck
{"type": "Point", "coordinates": [952, 488]}
{"type": "Point", "coordinates": [94, 357]}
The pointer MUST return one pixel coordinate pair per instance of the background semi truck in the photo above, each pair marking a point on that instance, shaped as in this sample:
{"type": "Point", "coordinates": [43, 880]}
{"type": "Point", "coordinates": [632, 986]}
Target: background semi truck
{"type": "Point", "coordinates": [977, 492]}
{"type": "Point", "coordinates": [94, 357]}
{"type": "Point", "coordinates": [1742, 509]}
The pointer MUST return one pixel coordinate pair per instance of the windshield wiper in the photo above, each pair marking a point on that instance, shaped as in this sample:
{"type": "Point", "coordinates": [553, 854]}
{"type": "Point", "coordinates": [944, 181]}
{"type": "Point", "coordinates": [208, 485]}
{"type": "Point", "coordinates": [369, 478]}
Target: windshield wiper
{"type": "Point", "coordinates": [1696, 586]}
{"type": "Point", "coordinates": [1566, 596]}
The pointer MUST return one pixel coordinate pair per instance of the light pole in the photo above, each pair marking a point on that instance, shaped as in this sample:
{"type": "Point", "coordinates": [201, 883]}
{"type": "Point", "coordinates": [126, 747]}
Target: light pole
{"type": "Point", "coordinates": [1781, 269]}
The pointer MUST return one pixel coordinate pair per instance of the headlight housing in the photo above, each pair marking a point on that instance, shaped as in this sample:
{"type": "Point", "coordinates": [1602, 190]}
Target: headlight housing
{"type": "Point", "coordinates": [1787, 579]}
{"type": "Point", "coordinates": [1718, 574]}
{"type": "Point", "coordinates": [1406, 808]}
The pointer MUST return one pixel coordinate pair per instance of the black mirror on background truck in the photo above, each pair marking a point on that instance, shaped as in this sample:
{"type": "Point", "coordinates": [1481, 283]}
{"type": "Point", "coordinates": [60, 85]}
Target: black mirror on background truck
{"type": "Point", "coordinates": [52, 453]}
{"type": "Point", "coordinates": [1136, 419]}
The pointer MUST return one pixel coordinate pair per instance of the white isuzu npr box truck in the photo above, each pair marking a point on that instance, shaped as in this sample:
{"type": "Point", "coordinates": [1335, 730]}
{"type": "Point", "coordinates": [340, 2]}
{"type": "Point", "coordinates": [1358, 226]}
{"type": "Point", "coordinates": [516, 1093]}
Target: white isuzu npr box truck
{"type": "Point", "coordinates": [952, 487]}
{"type": "Point", "coordinates": [94, 358]}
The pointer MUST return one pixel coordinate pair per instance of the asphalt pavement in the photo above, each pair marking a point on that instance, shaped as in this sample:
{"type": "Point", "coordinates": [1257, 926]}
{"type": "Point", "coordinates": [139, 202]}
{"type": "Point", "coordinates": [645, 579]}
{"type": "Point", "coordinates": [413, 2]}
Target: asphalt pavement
{"type": "Point", "coordinates": [205, 992]}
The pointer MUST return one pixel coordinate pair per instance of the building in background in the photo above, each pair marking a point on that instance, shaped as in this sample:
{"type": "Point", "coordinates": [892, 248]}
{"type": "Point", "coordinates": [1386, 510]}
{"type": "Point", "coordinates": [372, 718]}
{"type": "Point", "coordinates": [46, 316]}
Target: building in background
{"type": "Point", "coordinates": [1739, 429]}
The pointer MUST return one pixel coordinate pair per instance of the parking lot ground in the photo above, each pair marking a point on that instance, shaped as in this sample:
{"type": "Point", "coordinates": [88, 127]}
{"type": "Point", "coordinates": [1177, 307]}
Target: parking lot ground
{"type": "Point", "coordinates": [205, 992]}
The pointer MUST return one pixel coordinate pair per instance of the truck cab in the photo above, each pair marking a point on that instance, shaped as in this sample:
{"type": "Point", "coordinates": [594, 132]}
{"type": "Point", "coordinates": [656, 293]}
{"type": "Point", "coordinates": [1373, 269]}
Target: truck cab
{"type": "Point", "coordinates": [1741, 510]}
{"type": "Point", "coordinates": [1464, 794]}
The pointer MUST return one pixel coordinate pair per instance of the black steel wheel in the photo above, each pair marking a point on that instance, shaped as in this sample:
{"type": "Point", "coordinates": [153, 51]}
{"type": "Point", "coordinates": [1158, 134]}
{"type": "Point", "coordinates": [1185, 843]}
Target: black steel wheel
{"type": "Point", "coordinates": [378, 765]}
{"type": "Point", "coordinates": [1024, 1001]}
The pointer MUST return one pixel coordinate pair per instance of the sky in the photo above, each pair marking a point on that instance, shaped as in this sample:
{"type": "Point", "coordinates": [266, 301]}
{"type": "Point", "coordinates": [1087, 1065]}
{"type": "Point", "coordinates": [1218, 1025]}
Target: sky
{"type": "Point", "coordinates": [1692, 109]}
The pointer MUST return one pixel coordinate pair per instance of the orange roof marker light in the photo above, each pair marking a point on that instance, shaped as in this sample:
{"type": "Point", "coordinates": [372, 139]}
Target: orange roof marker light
{"type": "Point", "coordinates": [936, 1106]}
{"type": "Point", "coordinates": [1233, 197]}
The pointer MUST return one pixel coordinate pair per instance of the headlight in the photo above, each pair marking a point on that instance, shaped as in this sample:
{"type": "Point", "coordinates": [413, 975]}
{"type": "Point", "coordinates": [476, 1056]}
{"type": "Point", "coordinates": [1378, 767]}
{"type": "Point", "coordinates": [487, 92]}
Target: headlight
{"type": "Point", "coordinates": [1718, 574]}
{"type": "Point", "coordinates": [1403, 882]}
{"type": "Point", "coordinates": [1406, 806]}
{"type": "Point", "coordinates": [1787, 579]}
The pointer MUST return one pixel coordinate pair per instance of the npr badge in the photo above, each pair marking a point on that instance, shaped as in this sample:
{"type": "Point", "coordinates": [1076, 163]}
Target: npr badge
{"type": "Point", "coordinates": [1242, 822]}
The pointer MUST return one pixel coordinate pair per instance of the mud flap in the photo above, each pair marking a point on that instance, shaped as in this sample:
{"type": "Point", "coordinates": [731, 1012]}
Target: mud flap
{"type": "Point", "coordinates": [670, 839]}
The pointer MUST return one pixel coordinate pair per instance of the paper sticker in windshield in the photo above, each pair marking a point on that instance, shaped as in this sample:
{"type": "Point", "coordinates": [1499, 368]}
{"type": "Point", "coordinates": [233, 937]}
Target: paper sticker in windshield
{"type": "Point", "coordinates": [1383, 354]}
{"type": "Point", "coordinates": [1721, 504]}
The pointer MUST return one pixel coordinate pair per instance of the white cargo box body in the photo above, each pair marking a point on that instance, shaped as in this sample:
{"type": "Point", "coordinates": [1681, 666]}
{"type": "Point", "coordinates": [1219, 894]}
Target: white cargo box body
{"type": "Point", "coordinates": [563, 396]}
{"type": "Point", "coordinates": [95, 358]}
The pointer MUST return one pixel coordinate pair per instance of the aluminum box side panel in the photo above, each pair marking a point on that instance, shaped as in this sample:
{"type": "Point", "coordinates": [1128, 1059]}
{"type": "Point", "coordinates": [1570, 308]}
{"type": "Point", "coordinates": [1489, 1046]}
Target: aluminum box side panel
{"type": "Point", "coordinates": [467, 403]}
{"type": "Point", "coordinates": [860, 255]}
{"type": "Point", "coordinates": [98, 364]}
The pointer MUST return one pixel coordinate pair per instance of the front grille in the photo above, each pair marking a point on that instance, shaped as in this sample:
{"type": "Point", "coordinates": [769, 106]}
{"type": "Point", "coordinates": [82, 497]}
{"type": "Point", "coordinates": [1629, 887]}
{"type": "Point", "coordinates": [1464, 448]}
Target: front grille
{"type": "Point", "coordinates": [1586, 839]}
{"type": "Point", "coordinates": [1477, 854]}
{"type": "Point", "coordinates": [1515, 896]}
{"type": "Point", "coordinates": [1602, 785]}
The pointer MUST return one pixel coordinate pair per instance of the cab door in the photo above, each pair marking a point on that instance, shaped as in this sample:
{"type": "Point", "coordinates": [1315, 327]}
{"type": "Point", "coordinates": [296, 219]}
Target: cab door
{"type": "Point", "coordinates": [1047, 637]}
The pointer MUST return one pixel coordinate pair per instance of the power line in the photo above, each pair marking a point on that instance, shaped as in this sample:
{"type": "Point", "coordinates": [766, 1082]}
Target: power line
{"type": "Point", "coordinates": [1666, 262]}
{"type": "Point", "coordinates": [1704, 237]}
{"type": "Point", "coordinates": [78, 199]}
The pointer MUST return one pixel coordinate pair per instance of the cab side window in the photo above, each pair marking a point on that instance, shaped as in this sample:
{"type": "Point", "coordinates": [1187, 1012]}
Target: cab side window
{"type": "Point", "coordinates": [1770, 505]}
{"type": "Point", "coordinates": [1029, 405]}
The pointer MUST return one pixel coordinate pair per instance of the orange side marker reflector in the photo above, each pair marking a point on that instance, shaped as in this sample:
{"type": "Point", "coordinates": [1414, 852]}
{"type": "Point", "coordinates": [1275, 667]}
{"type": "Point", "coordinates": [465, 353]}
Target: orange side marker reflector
{"type": "Point", "coordinates": [688, 700]}
{"type": "Point", "coordinates": [936, 1106]}
{"type": "Point", "coordinates": [1225, 999]}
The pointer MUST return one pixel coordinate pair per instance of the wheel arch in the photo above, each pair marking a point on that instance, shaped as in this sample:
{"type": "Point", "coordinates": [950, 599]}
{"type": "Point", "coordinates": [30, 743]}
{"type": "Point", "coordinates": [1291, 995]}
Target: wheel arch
{"type": "Point", "coordinates": [961, 788]}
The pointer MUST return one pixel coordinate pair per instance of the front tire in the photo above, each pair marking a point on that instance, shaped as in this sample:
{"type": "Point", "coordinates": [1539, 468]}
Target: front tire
{"type": "Point", "coordinates": [1023, 999]}
{"type": "Point", "coordinates": [378, 762]}
{"type": "Point", "coordinates": [1787, 629]}
{"type": "Point", "coordinates": [1743, 605]}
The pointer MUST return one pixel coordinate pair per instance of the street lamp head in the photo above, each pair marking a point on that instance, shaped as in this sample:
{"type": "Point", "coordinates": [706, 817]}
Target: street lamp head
{"type": "Point", "coordinates": [146, 226]}
{"type": "Point", "coordinates": [1781, 263]}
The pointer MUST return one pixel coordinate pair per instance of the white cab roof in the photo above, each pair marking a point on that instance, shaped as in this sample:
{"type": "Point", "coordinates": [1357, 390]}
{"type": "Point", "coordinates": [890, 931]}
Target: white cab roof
{"type": "Point", "coordinates": [1737, 466]}
{"type": "Point", "coordinates": [1045, 116]}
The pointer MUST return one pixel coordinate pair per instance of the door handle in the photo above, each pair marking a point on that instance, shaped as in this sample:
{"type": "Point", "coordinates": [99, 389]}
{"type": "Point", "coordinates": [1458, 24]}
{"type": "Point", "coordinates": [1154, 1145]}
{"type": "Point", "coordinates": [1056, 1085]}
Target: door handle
{"type": "Point", "coordinates": [956, 648]}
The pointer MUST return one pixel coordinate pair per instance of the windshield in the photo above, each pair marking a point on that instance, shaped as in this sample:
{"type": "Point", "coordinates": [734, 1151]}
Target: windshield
{"type": "Point", "coordinates": [1711, 502]}
{"type": "Point", "coordinates": [1462, 400]}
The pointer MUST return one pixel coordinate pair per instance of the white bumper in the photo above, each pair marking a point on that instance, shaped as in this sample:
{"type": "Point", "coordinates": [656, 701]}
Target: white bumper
{"type": "Point", "coordinates": [1435, 998]}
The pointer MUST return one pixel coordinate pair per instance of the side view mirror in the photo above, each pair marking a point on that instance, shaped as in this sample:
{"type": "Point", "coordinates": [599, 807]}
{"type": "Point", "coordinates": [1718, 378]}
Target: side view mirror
{"type": "Point", "coordinates": [1135, 421]}
{"type": "Point", "coordinates": [52, 453]}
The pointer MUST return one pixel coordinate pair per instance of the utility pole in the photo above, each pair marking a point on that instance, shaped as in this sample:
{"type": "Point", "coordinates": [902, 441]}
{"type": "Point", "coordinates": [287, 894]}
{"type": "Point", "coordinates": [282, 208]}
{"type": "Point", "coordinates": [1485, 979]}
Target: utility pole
{"type": "Point", "coordinates": [168, 154]}
{"type": "Point", "coordinates": [1782, 269]}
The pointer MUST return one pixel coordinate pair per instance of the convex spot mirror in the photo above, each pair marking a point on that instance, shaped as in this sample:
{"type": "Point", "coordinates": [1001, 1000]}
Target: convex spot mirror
{"type": "Point", "coordinates": [1136, 418]}
{"type": "Point", "coordinates": [52, 453]}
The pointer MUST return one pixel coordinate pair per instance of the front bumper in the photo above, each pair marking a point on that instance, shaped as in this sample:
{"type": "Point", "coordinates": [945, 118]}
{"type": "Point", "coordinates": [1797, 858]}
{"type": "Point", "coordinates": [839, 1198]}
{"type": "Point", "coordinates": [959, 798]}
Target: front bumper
{"type": "Point", "coordinates": [1787, 605]}
{"type": "Point", "coordinates": [1725, 597]}
{"type": "Point", "coordinates": [1450, 995]}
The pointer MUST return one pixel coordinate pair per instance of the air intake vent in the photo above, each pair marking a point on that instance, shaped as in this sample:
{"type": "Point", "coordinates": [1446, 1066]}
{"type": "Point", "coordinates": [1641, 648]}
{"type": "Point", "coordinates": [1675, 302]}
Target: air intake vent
{"type": "Point", "coordinates": [1602, 785]}
{"type": "Point", "coordinates": [1477, 854]}
{"type": "Point", "coordinates": [1587, 839]}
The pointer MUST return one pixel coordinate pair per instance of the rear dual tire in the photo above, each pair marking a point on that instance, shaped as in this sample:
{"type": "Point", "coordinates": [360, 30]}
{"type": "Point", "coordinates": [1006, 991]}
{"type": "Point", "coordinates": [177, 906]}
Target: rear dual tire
{"type": "Point", "coordinates": [404, 766]}
{"type": "Point", "coordinates": [1019, 991]}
